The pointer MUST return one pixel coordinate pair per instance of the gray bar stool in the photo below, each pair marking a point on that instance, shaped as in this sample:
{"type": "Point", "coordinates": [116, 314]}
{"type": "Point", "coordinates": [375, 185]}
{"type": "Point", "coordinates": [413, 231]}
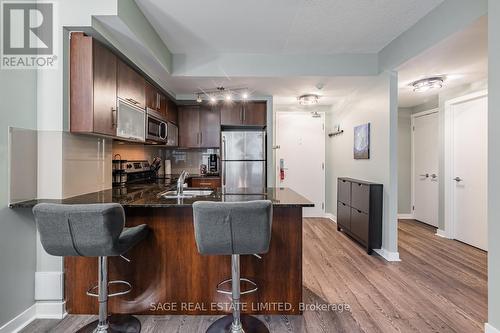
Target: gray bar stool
{"type": "Point", "coordinates": [234, 228]}
{"type": "Point", "coordinates": [95, 230]}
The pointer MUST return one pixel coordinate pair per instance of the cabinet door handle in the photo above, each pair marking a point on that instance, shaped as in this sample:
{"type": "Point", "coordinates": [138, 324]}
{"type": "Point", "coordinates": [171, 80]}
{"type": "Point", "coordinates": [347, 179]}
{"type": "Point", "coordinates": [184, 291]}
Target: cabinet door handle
{"type": "Point", "coordinates": [205, 184]}
{"type": "Point", "coordinates": [113, 116]}
{"type": "Point", "coordinates": [243, 111]}
{"type": "Point", "coordinates": [201, 138]}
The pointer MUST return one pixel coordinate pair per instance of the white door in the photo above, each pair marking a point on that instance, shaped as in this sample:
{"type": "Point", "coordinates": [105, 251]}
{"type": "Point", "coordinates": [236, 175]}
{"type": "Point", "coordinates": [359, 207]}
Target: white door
{"type": "Point", "coordinates": [425, 168]}
{"type": "Point", "coordinates": [301, 138]}
{"type": "Point", "coordinates": [469, 171]}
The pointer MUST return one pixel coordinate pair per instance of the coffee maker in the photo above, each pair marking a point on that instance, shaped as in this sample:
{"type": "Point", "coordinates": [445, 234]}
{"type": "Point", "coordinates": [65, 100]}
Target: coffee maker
{"type": "Point", "coordinates": [213, 163]}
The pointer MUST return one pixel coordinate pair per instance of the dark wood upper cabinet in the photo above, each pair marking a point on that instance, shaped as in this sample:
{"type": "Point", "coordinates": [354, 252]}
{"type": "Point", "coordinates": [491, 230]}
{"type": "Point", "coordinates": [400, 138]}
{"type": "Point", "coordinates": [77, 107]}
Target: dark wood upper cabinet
{"type": "Point", "coordinates": [93, 70]}
{"type": "Point", "coordinates": [155, 100]}
{"type": "Point", "coordinates": [152, 100]}
{"type": "Point", "coordinates": [244, 114]}
{"type": "Point", "coordinates": [254, 113]}
{"type": "Point", "coordinates": [231, 114]}
{"type": "Point", "coordinates": [189, 126]}
{"type": "Point", "coordinates": [199, 127]}
{"type": "Point", "coordinates": [209, 127]}
{"type": "Point", "coordinates": [131, 85]}
{"type": "Point", "coordinates": [172, 113]}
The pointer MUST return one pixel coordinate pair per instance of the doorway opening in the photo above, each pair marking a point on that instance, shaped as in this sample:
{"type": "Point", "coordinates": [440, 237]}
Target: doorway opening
{"type": "Point", "coordinates": [300, 139]}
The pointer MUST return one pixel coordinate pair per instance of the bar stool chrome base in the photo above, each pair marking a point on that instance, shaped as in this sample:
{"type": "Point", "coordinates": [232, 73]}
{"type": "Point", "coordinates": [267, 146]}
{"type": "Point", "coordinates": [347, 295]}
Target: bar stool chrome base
{"type": "Point", "coordinates": [116, 324]}
{"type": "Point", "coordinates": [250, 325]}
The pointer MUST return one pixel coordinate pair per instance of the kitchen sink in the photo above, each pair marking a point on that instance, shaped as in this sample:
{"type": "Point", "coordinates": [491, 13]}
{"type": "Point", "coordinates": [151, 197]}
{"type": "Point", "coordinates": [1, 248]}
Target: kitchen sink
{"type": "Point", "coordinates": [186, 194]}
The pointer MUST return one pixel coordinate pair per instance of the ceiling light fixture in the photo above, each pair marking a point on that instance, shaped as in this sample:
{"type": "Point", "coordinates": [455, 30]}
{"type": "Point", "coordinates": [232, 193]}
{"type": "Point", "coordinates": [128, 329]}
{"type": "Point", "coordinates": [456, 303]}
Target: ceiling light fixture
{"type": "Point", "coordinates": [308, 99]}
{"type": "Point", "coordinates": [221, 93]}
{"type": "Point", "coordinates": [427, 84]}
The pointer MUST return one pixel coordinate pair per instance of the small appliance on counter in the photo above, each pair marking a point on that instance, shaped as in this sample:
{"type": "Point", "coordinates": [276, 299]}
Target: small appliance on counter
{"type": "Point", "coordinates": [203, 169]}
{"type": "Point", "coordinates": [128, 171]}
{"type": "Point", "coordinates": [213, 164]}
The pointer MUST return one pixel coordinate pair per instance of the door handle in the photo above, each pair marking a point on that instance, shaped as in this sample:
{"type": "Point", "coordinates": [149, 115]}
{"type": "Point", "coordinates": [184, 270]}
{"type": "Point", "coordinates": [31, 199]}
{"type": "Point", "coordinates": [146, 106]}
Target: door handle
{"type": "Point", "coordinates": [457, 179]}
{"type": "Point", "coordinates": [425, 175]}
{"type": "Point", "coordinates": [433, 176]}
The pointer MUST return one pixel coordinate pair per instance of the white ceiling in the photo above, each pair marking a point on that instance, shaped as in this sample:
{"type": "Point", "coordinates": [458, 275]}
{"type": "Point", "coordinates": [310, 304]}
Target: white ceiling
{"type": "Point", "coordinates": [462, 58]}
{"type": "Point", "coordinates": [282, 26]}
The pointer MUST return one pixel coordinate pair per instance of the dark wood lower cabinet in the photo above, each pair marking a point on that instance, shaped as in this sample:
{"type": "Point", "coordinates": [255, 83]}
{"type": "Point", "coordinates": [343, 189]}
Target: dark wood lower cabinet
{"type": "Point", "coordinates": [166, 271]}
{"type": "Point", "coordinates": [209, 182]}
{"type": "Point", "coordinates": [359, 211]}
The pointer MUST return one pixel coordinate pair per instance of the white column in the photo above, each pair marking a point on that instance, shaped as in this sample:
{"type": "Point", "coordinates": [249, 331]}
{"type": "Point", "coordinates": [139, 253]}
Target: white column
{"type": "Point", "coordinates": [493, 167]}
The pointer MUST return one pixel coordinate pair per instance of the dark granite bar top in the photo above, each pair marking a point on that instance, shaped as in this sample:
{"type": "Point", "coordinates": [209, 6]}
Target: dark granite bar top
{"type": "Point", "coordinates": [147, 194]}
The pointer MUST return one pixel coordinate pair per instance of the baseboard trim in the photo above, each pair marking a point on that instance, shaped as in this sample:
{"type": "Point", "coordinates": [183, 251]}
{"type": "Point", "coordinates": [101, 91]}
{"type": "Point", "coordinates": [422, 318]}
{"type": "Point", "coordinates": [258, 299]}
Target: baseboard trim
{"type": "Point", "coordinates": [388, 255]}
{"type": "Point", "coordinates": [39, 310]}
{"type": "Point", "coordinates": [442, 233]}
{"type": "Point", "coordinates": [20, 321]}
{"type": "Point", "coordinates": [490, 329]}
{"type": "Point", "coordinates": [331, 217]}
{"type": "Point", "coordinates": [405, 216]}
{"type": "Point", "coordinates": [51, 310]}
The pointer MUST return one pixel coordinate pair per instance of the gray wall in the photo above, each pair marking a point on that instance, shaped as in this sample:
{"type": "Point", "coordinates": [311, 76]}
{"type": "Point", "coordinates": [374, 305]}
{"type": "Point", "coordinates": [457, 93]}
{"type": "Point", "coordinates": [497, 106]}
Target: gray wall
{"type": "Point", "coordinates": [373, 104]}
{"type": "Point", "coordinates": [494, 165]}
{"type": "Point", "coordinates": [17, 229]}
{"type": "Point", "coordinates": [404, 161]}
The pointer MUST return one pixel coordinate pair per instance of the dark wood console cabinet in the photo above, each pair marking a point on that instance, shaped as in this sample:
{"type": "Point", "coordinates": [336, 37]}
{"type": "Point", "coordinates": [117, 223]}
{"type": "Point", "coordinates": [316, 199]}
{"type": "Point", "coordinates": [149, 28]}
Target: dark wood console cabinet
{"type": "Point", "coordinates": [359, 211]}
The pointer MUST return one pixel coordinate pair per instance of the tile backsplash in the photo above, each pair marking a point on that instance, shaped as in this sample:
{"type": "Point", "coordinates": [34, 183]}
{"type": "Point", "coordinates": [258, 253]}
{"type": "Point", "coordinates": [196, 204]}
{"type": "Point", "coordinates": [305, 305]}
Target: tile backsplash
{"type": "Point", "coordinates": [180, 159]}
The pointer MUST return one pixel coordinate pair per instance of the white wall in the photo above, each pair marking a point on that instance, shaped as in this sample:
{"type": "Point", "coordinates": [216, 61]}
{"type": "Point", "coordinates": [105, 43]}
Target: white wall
{"type": "Point", "coordinates": [371, 105]}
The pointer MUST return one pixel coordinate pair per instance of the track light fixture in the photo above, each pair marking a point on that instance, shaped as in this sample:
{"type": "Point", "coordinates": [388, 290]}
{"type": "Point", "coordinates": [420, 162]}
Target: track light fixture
{"type": "Point", "coordinates": [222, 94]}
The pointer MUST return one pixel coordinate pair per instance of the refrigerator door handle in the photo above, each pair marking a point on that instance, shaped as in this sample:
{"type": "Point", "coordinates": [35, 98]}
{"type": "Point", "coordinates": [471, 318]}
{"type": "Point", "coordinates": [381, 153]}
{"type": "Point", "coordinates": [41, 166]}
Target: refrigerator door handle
{"type": "Point", "coordinates": [223, 174]}
{"type": "Point", "coordinates": [223, 158]}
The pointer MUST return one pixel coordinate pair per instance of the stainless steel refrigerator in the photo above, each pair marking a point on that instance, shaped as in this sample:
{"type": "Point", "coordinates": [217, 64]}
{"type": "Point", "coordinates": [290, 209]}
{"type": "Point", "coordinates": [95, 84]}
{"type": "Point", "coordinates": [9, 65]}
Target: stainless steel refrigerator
{"type": "Point", "coordinates": [243, 157]}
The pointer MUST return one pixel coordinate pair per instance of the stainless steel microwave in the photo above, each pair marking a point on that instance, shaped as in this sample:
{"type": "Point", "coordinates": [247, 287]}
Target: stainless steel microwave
{"type": "Point", "coordinates": [156, 127]}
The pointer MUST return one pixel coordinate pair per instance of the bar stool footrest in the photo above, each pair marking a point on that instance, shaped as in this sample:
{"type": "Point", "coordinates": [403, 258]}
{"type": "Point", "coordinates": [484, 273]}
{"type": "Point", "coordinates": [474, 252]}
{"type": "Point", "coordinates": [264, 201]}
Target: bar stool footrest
{"type": "Point", "coordinates": [227, 292]}
{"type": "Point", "coordinates": [92, 290]}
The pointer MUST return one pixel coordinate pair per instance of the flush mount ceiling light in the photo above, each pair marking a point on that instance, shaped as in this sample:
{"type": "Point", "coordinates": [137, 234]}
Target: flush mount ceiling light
{"type": "Point", "coordinates": [427, 84]}
{"type": "Point", "coordinates": [308, 99]}
{"type": "Point", "coordinates": [221, 94]}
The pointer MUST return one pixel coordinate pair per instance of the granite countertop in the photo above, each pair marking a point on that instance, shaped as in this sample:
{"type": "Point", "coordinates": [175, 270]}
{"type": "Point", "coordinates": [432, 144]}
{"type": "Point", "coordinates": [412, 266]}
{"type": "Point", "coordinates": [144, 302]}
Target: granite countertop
{"type": "Point", "coordinates": [147, 194]}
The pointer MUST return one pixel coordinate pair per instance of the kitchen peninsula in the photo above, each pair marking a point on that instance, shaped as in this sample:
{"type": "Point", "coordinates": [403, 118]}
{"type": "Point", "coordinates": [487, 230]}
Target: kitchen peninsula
{"type": "Point", "coordinates": [167, 273]}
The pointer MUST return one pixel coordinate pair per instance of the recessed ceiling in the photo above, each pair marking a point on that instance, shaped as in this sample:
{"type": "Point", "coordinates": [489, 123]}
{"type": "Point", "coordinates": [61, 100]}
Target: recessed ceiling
{"type": "Point", "coordinates": [462, 58]}
{"type": "Point", "coordinates": [282, 26]}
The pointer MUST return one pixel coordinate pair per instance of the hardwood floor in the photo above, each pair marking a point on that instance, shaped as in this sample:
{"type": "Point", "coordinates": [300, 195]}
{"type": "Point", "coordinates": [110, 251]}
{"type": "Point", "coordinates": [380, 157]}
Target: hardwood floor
{"type": "Point", "coordinates": [439, 286]}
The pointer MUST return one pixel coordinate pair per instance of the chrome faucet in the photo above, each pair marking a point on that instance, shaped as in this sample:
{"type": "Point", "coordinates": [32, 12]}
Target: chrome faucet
{"type": "Point", "coordinates": [180, 182]}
